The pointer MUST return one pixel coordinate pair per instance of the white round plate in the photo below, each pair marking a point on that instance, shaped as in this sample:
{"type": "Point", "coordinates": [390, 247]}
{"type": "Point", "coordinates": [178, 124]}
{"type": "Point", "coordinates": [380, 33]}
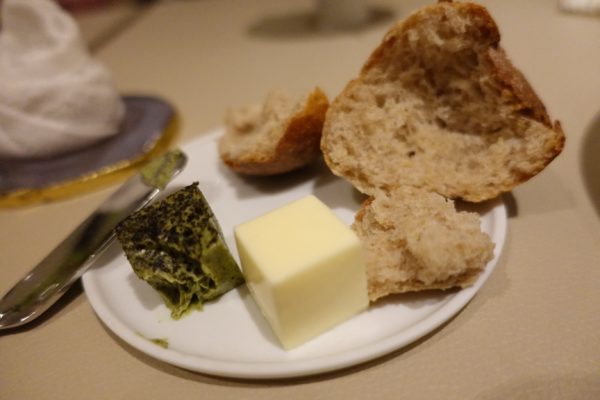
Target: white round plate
{"type": "Point", "coordinates": [229, 337]}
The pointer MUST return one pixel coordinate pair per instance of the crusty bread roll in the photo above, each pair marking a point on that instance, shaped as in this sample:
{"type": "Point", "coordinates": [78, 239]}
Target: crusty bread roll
{"type": "Point", "coordinates": [416, 240]}
{"type": "Point", "coordinates": [278, 136]}
{"type": "Point", "coordinates": [438, 105]}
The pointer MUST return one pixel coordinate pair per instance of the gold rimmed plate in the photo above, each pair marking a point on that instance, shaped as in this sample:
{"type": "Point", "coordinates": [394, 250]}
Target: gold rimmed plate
{"type": "Point", "coordinates": [148, 128]}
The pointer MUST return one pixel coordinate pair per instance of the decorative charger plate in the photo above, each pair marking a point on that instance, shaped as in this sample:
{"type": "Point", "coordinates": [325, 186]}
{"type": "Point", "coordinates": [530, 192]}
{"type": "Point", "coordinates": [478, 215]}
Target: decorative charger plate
{"type": "Point", "coordinates": [148, 128]}
{"type": "Point", "coordinates": [229, 337]}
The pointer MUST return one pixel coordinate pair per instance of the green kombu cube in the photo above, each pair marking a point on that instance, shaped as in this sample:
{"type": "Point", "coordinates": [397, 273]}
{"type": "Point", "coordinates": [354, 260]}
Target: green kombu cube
{"type": "Point", "coordinates": [176, 246]}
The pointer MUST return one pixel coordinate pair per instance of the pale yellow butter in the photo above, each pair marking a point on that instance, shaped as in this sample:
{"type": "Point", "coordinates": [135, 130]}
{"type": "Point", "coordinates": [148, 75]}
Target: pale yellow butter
{"type": "Point", "coordinates": [304, 268]}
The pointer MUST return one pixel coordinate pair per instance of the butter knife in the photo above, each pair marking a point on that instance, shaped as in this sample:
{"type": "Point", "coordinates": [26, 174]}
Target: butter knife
{"type": "Point", "coordinates": [51, 278]}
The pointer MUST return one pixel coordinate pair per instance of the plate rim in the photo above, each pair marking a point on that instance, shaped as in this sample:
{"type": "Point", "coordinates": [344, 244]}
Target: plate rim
{"type": "Point", "coordinates": [312, 366]}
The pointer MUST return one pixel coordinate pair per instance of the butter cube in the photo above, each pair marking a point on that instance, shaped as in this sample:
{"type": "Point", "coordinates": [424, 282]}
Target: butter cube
{"type": "Point", "coordinates": [304, 268]}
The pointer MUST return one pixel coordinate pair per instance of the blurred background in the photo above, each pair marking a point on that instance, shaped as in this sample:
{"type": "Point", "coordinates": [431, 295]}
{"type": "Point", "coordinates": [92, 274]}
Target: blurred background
{"type": "Point", "coordinates": [100, 20]}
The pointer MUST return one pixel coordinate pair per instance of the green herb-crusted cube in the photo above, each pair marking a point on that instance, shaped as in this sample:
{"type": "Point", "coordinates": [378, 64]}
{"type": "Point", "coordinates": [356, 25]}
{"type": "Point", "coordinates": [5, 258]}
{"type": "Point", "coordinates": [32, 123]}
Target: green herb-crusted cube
{"type": "Point", "coordinates": [176, 246]}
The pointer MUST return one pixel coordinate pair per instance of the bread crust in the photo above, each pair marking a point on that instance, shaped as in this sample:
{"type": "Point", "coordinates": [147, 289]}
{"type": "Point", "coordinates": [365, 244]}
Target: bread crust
{"type": "Point", "coordinates": [528, 104]}
{"type": "Point", "coordinates": [297, 147]}
{"type": "Point", "coordinates": [512, 89]}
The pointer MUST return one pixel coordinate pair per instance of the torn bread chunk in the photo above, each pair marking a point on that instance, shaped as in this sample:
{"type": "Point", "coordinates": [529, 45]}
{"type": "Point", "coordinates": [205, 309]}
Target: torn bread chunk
{"type": "Point", "coordinates": [275, 137]}
{"type": "Point", "coordinates": [438, 105]}
{"type": "Point", "coordinates": [416, 240]}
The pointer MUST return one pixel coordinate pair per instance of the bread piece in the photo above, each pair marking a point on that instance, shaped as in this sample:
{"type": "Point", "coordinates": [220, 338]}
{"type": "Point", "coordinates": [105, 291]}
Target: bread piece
{"type": "Point", "coordinates": [279, 136]}
{"type": "Point", "coordinates": [438, 105]}
{"type": "Point", "coordinates": [416, 240]}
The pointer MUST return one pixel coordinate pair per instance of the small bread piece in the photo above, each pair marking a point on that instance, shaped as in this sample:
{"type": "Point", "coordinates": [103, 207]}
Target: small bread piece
{"type": "Point", "coordinates": [416, 240]}
{"type": "Point", "coordinates": [281, 135]}
{"type": "Point", "coordinates": [438, 105]}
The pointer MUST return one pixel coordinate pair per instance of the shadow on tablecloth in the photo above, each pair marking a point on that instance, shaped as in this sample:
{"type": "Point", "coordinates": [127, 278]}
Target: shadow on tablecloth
{"type": "Point", "coordinates": [590, 161]}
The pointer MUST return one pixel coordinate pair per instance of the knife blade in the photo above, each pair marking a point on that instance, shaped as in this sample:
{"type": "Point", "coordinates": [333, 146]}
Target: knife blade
{"type": "Point", "coordinates": [51, 278]}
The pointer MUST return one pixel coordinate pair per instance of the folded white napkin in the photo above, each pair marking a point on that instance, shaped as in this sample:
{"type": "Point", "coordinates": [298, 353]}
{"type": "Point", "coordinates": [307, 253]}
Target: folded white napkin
{"type": "Point", "coordinates": [53, 96]}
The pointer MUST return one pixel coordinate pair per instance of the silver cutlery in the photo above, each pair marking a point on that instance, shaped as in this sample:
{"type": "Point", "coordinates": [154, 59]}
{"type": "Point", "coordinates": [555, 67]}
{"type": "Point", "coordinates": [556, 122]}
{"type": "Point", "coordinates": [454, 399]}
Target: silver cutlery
{"type": "Point", "coordinates": [51, 278]}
